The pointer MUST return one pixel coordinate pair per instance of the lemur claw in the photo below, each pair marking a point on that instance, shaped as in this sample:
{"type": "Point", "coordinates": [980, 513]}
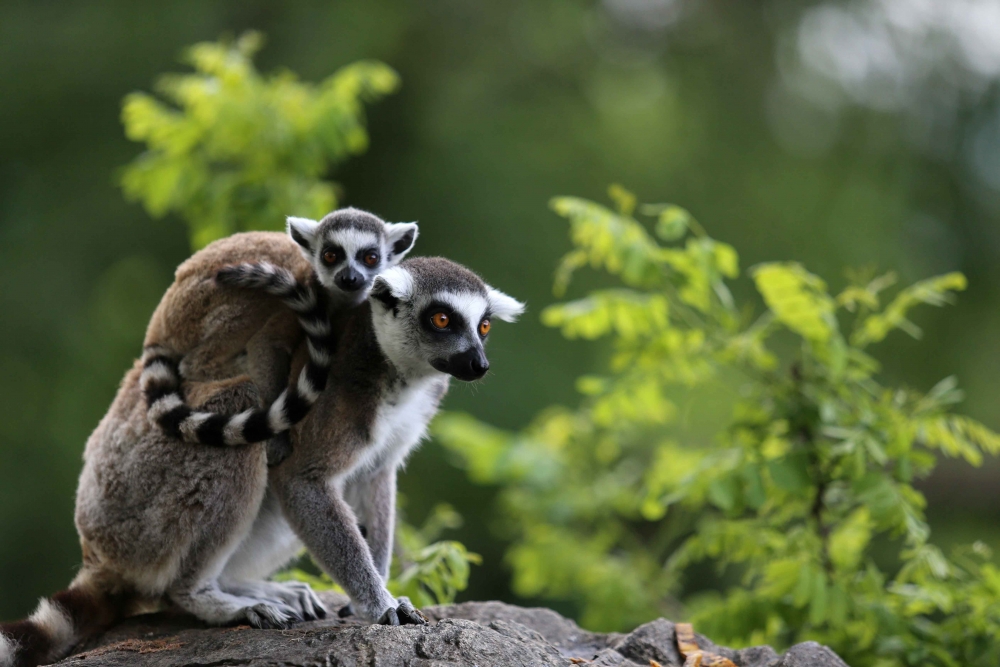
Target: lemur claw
{"type": "Point", "coordinates": [403, 614]}
{"type": "Point", "coordinates": [408, 614]}
{"type": "Point", "coordinates": [346, 610]}
{"type": "Point", "coordinates": [269, 617]}
{"type": "Point", "coordinates": [390, 617]}
{"type": "Point", "coordinates": [411, 617]}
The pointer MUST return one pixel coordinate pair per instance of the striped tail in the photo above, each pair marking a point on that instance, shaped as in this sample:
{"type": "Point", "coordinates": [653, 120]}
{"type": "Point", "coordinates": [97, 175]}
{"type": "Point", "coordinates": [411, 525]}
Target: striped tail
{"type": "Point", "coordinates": [161, 378]}
{"type": "Point", "coordinates": [57, 625]}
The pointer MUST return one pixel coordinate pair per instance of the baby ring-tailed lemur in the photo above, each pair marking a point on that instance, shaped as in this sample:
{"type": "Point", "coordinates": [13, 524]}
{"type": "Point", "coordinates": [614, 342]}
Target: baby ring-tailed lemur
{"type": "Point", "coordinates": [347, 249]}
{"type": "Point", "coordinates": [192, 524]}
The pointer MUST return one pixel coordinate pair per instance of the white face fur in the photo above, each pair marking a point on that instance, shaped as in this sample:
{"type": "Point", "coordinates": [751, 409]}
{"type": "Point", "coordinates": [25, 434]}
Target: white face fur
{"type": "Point", "coordinates": [348, 248]}
{"type": "Point", "coordinates": [439, 330]}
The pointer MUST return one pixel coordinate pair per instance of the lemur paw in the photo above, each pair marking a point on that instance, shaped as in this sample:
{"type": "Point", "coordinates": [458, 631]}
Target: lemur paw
{"type": "Point", "coordinates": [346, 610]}
{"type": "Point", "coordinates": [412, 614]}
{"type": "Point", "coordinates": [404, 614]}
{"type": "Point", "coordinates": [279, 448]}
{"type": "Point", "coordinates": [267, 616]}
{"type": "Point", "coordinates": [306, 600]}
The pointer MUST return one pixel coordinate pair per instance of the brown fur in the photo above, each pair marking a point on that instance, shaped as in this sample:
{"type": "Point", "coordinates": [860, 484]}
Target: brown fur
{"type": "Point", "coordinates": [222, 332]}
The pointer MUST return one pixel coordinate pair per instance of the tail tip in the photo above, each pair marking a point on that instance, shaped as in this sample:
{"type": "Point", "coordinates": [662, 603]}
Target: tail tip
{"type": "Point", "coordinates": [7, 649]}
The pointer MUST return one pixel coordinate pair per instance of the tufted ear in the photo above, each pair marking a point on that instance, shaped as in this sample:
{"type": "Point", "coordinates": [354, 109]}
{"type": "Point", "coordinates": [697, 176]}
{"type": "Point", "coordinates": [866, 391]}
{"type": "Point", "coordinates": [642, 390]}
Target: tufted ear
{"type": "Point", "coordinates": [507, 308]}
{"type": "Point", "coordinates": [392, 286]}
{"type": "Point", "coordinates": [303, 232]}
{"type": "Point", "coordinates": [402, 236]}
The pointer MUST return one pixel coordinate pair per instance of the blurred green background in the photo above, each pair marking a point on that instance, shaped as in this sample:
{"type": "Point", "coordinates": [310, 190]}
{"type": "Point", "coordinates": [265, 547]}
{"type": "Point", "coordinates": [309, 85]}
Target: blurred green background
{"type": "Point", "coordinates": [833, 133]}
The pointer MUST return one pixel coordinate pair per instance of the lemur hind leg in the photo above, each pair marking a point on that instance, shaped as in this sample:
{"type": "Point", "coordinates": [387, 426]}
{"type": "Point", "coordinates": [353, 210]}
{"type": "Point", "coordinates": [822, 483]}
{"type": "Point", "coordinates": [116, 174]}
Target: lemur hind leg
{"type": "Point", "coordinates": [270, 545]}
{"type": "Point", "coordinates": [196, 589]}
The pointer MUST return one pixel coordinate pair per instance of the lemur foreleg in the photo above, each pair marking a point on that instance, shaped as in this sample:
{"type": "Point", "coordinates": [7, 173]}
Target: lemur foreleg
{"type": "Point", "coordinates": [329, 528]}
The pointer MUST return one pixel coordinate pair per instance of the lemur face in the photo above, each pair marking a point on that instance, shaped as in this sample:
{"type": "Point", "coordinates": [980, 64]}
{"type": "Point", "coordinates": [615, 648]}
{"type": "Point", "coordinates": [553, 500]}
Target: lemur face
{"type": "Point", "coordinates": [349, 247]}
{"type": "Point", "coordinates": [433, 315]}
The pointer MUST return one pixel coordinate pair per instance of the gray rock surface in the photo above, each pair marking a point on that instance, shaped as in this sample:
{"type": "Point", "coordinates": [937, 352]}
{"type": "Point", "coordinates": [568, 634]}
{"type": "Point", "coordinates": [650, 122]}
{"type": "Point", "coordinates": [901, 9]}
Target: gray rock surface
{"type": "Point", "coordinates": [484, 634]}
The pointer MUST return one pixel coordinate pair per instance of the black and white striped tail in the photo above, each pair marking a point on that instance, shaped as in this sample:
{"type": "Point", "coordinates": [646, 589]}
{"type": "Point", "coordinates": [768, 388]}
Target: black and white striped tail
{"type": "Point", "coordinates": [161, 379]}
{"type": "Point", "coordinates": [57, 625]}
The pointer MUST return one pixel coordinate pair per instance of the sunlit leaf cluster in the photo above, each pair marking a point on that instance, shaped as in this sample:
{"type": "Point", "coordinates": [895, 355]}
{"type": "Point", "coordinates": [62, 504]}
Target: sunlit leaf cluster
{"type": "Point", "coordinates": [229, 149]}
{"type": "Point", "coordinates": [767, 529]}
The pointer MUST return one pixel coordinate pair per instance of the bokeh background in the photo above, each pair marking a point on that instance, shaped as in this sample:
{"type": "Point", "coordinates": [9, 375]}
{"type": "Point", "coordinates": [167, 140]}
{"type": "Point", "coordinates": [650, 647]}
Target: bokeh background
{"type": "Point", "coordinates": [833, 133]}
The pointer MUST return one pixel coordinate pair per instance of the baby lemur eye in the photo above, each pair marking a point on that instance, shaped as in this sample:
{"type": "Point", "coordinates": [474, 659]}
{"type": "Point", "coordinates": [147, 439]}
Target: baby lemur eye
{"type": "Point", "coordinates": [484, 327]}
{"type": "Point", "coordinates": [440, 320]}
{"type": "Point", "coordinates": [371, 258]}
{"type": "Point", "coordinates": [329, 257]}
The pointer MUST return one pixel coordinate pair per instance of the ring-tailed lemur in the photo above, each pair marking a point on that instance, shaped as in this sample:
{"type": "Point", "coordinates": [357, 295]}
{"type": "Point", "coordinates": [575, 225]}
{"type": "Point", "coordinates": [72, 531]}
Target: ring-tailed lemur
{"type": "Point", "coordinates": [191, 524]}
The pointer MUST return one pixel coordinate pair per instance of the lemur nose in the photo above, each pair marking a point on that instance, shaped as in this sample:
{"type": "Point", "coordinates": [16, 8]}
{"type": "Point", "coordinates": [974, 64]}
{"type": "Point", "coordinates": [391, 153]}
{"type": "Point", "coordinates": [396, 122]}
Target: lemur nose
{"type": "Point", "coordinates": [466, 366]}
{"type": "Point", "coordinates": [350, 280]}
{"type": "Point", "coordinates": [480, 366]}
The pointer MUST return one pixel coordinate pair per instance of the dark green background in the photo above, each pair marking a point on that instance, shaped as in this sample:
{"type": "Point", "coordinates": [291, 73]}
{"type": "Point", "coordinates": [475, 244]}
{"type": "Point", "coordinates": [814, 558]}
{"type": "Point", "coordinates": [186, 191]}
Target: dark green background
{"type": "Point", "coordinates": [503, 105]}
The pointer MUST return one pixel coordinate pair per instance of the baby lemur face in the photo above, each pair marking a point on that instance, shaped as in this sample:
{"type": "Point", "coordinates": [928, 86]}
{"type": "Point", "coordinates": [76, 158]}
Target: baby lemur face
{"type": "Point", "coordinates": [349, 247]}
{"type": "Point", "coordinates": [433, 315]}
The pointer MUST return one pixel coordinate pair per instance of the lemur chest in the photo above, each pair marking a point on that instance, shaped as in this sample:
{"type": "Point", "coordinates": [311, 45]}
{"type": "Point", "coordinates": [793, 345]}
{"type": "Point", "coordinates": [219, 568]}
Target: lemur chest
{"type": "Point", "coordinates": [400, 421]}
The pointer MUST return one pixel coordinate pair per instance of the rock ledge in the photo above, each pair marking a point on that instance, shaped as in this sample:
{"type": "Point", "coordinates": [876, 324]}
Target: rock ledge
{"type": "Point", "coordinates": [485, 634]}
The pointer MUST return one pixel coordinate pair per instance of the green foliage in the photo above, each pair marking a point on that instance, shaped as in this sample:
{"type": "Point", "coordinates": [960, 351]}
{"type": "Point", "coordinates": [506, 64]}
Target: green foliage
{"type": "Point", "coordinates": [615, 506]}
{"type": "Point", "coordinates": [427, 571]}
{"type": "Point", "coordinates": [231, 150]}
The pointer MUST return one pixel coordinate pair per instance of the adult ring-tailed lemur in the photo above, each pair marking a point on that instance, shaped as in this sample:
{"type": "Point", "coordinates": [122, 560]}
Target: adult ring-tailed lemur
{"type": "Point", "coordinates": [192, 523]}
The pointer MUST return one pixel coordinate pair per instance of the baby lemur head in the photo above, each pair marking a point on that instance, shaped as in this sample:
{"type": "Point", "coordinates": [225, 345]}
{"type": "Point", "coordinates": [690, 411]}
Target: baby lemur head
{"type": "Point", "coordinates": [349, 247]}
{"type": "Point", "coordinates": [433, 315]}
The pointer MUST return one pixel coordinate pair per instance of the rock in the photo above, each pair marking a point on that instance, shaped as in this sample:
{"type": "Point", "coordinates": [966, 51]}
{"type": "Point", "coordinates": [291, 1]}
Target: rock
{"type": "Point", "coordinates": [485, 634]}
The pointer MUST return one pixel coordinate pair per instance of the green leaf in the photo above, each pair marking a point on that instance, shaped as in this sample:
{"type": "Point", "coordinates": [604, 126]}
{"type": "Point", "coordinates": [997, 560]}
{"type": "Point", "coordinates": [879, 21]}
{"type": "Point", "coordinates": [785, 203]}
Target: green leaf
{"type": "Point", "coordinates": [850, 538]}
{"type": "Point", "coordinates": [724, 492]}
{"type": "Point", "coordinates": [671, 221]}
{"type": "Point", "coordinates": [933, 291]}
{"type": "Point", "coordinates": [623, 198]}
{"type": "Point", "coordinates": [798, 299]}
{"type": "Point", "coordinates": [791, 473]}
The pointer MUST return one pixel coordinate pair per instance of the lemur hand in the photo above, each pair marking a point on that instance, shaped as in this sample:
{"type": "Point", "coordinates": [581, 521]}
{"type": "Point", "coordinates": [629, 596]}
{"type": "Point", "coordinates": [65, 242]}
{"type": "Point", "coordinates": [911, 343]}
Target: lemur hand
{"type": "Point", "coordinates": [279, 448]}
{"type": "Point", "coordinates": [404, 614]}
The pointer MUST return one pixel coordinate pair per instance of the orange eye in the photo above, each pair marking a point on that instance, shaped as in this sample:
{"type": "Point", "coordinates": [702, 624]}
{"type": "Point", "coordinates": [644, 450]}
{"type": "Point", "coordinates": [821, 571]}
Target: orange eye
{"type": "Point", "coordinates": [371, 258]}
{"type": "Point", "coordinates": [329, 257]}
{"type": "Point", "coordinates": [440, 320]}
{"type": "Point", "coordinates": [484, 327]}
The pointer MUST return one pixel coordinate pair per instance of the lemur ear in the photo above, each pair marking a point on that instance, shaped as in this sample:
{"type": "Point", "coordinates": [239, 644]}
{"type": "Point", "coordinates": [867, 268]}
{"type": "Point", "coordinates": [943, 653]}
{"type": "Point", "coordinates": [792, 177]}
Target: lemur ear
{"type": "Point", "coordinates": [402, 236]}
{"type": "Point", "coordinates": [392, 286]}
{"type": "Point", "coordinates": [302, 231]}
{"type": "Point", "coordinates": [507, 308]}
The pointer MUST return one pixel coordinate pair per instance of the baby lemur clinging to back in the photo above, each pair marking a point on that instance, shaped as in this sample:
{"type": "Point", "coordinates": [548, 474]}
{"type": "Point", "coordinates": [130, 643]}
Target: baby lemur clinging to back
{"type": "Point", "coordinates": [347, 249]}
{"type": "Point", "coordinates": [162, 519]}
